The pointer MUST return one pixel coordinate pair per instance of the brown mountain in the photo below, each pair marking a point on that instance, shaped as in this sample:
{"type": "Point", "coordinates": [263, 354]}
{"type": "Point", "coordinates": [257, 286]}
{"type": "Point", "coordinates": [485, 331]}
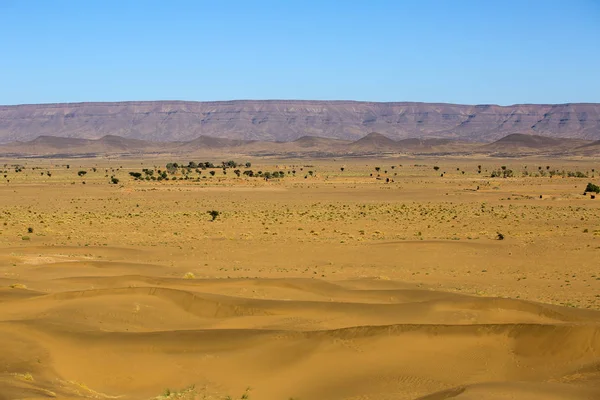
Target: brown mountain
{"type": "Point", "coordinates": [52, 145]}
{"type": "Point", "coordinates": [283, 120]}
{"type": "Point", "coordinates": [591, 149]}
{"type": "Point", "coordinates": [374, 142]}
{"type": "Point", "coordinates": [520, 143]}
{"type": "Point", "coordinates": [306, 146]}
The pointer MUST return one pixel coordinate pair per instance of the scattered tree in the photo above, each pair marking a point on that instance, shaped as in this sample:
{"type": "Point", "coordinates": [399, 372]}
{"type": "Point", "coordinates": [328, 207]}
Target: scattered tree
{"type": "Point", "coordinates": [214, 214]}
{"type": "Point", "coordinates": [592, 188]}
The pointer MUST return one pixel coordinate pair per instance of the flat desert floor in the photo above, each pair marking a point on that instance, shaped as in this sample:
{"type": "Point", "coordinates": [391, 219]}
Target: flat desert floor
{"type": "Point", "coordinates": [328, 284]}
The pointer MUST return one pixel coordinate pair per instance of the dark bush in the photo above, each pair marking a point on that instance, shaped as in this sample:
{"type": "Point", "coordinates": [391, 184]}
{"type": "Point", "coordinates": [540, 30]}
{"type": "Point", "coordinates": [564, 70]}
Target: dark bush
{"type": "Point", "coordinates": [592, 188]}
{"type": "Point", "coordinates": [214, 214]}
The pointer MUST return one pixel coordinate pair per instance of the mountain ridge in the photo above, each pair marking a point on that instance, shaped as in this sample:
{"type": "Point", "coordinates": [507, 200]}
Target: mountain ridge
{"type": "Point", "coordinates": [287, 120]}
{"type": "Point", "coordinates": [371, 144]}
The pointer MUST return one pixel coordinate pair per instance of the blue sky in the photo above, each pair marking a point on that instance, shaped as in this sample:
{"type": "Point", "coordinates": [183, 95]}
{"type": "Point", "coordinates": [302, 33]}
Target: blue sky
{"type": "Point", "coordinates": [472, 52]}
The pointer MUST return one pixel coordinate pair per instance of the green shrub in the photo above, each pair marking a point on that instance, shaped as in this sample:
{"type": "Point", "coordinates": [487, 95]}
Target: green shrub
{"type": "Point", "coordinates": [592, 188]}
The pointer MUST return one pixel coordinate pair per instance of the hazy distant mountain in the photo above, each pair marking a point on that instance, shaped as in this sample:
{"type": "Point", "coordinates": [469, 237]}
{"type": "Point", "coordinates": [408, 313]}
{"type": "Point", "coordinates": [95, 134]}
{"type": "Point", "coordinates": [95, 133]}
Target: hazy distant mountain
{"type": "Point", "coordinates": [307, 146]}
{"type": "Point", "coordinates": [105, 145]}
{"type": "Point", "coordinates": [282, 120]}
{"type": "Point", "coordinates": [375, 142]}
{"type": "Point", "coordinates": [519, 143]}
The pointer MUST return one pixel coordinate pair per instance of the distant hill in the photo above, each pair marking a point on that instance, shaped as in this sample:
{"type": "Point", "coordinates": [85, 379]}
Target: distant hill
{"type": "Point", "coordinates": [516, 142]}
{"type": "Point", "coordinates": [307, 146]}
{"type": "Point", "coordinates": [288, 120]}
{"type": "Point", "coordinates": [589, 149]}
{"type": "Point", "coordinates": [106, 144]}
{"type": "Point", "coordinates": [374, 142]}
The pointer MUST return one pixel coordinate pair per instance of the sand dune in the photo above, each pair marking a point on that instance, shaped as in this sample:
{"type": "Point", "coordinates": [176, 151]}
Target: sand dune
{"type": "Point", "coordinates": [133, 335]}
{"type": "Point", "coordinates": [516, 391]}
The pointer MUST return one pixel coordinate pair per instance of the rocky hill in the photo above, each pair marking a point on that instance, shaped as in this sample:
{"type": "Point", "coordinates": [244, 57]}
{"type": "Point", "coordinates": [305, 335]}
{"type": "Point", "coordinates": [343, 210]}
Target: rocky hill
{"type": "Point", "coordinates": [282, 120]}
{"type": "Point", "coordinates": [374, 143]}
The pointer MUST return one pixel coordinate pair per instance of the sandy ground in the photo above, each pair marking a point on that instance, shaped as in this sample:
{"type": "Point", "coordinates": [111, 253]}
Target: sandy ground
{"type": "Point", "coordinates": [334, 286]}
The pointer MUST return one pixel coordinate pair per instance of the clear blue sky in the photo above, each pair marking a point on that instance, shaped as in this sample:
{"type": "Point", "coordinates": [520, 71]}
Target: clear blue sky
{"type": "Point", "coordinates": [485, 51]}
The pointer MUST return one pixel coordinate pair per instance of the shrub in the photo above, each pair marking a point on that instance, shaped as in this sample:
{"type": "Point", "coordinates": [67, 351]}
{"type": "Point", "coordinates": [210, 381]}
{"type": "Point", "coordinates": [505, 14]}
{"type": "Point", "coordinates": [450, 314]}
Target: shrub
{"type": "Point", "coordinates": [82, 173]}
{"type": "Point", "coordinates": [114, 180]}
{"type": "Point", "coordinates": [499, 236]}
{"type": "Point", "coordinates": [214, 214]}
{"type": "Point", "coordinates": [592, 188]}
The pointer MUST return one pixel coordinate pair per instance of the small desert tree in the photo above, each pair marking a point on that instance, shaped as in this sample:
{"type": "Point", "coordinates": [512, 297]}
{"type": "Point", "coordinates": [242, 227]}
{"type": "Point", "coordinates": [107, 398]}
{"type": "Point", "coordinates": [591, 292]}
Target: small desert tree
{"type": "Point", "coordinates": [214, 214]}
{"type": "Point", "coordinates": [592, 188]}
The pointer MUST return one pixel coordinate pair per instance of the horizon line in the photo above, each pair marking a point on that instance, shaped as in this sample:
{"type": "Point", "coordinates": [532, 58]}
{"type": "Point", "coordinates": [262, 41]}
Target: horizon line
{"type": "Point", "coordinates": [296, 100]}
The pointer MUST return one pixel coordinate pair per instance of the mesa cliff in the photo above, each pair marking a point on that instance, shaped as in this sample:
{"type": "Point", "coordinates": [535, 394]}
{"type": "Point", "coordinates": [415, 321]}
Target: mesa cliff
{"type": "Point", "coordinates": [288, 120]}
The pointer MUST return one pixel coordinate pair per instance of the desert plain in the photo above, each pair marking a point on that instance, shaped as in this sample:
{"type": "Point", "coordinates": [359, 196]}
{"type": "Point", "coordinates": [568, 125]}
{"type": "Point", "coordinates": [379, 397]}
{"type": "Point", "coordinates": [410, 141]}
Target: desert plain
{"type": "Point", "coordinates": [352, 278]}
